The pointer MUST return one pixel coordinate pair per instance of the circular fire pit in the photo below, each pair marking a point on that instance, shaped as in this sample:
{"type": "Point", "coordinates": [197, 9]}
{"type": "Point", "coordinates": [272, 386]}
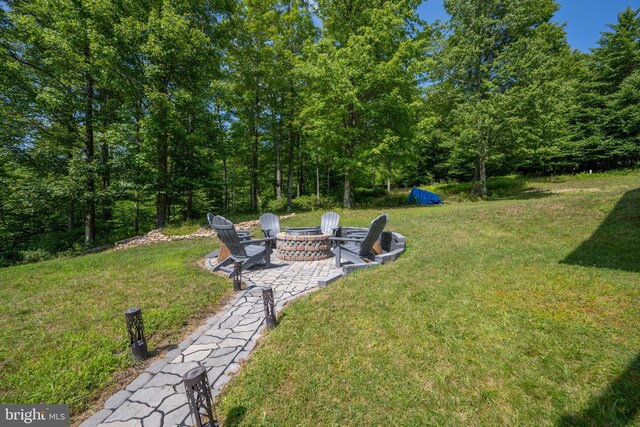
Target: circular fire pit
{"type": "Point", "coordinates": [303, 244]}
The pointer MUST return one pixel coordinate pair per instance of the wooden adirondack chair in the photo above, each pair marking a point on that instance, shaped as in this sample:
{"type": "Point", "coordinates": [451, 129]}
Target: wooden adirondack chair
{"type": "Point", "coordinates": [359, 249]}
{"type": "Point", "coordinates": [249, 252]}
{"type": "Point", "coordinates": [329, 224]}
{"type": "Point", "coordinates": [223, 253]}
{"type": "Point", "coordinates": [270, 224]}
{"type": "Point", "coordinates": [219, 219]}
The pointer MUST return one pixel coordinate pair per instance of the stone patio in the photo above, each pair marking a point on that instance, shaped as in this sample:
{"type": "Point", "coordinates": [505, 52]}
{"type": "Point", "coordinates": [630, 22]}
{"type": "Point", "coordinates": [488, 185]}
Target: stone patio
{"type": "Point", "coordinates": [157, 397]}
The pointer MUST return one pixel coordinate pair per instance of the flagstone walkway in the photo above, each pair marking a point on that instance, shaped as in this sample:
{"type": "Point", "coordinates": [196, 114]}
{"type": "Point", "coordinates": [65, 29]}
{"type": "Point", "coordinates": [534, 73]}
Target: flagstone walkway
{"type": "Point", "coordinates": [157, 397]}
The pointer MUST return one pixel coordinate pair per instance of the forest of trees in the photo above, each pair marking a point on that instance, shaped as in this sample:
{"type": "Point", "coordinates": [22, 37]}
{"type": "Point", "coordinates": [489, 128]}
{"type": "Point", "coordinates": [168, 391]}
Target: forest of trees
{"type": "Point", "coordinates": [117, 116]}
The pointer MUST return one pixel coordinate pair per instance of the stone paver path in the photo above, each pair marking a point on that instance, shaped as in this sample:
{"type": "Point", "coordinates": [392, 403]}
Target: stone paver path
{"type": "Point", "coordinates": [157, 397]}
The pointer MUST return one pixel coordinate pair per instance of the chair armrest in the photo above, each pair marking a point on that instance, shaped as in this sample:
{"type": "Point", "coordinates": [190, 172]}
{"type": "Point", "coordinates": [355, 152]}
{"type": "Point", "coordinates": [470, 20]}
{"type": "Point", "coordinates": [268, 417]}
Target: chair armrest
{"type": "Point", "coordinates": [347, 239]}
{"type": "Point", "coordinates": [266, 239]}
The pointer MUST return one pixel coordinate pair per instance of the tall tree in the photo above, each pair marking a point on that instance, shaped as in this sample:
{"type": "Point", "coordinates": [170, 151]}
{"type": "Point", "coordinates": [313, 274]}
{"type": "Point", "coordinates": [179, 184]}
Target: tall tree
{"type": "Point", "coordinates": [503, 63]}
{"type": "Point", "coordinates": [618, 53]}
{"type": "Point", "coordinates": [361, 80]}
{"type": "Point", "coordinates": [251, 56]}
{"type": "Point", "coordinates": [603, 118]}
{"type": "Point", "coordinates": [55, 45]}
{"type": "Point", "coordinates": [617, 65]}
{"type": "Point", "coordinates": [266, 88]}
{"type": "Point", "coordinates": [178, 54]}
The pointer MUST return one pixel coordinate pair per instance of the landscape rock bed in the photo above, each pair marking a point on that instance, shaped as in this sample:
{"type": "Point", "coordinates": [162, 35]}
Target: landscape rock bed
{"type": "Point", "coordinates": [158, 236]}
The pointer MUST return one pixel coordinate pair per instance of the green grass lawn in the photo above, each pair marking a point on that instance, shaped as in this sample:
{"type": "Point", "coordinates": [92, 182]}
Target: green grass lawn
{"type": "Point", "coordinates": [62, 324]}
{"type": "Point", "coordinates": [521, 311]}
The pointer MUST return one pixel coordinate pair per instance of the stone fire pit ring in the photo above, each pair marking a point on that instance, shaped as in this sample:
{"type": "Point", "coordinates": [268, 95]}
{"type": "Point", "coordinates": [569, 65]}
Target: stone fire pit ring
{"type": "Point", "coordinates": [292, 247]}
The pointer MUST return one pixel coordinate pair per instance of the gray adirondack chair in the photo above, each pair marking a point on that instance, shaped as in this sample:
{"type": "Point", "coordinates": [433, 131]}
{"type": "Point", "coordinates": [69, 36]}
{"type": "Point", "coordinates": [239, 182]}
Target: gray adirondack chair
{"type": "Point", "coordinates": [220, 220]}
{"type": "Point", "coordinates": [329, 224]}
{"type": "Point", "coordinates": [270, 224]}
{"type": "Point", "coordinates": [358, 249]}
{"type": "Point", "coordinates": [248, 252]}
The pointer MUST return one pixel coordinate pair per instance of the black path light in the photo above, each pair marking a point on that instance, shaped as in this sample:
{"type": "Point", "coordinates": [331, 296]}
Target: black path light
{"type": "Point", "coordinates": [269, 308]}
{"type": "Point", "coordinates": [237, 275]}
{"type": "Point", "coordinates": [196, 385]}
{"type": "Point", "coordinates": [135, 327]}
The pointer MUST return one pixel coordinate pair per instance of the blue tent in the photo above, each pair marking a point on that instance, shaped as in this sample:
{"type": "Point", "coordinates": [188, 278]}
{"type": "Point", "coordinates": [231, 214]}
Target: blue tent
{"type": "Point", "coordinates": [423, 197]}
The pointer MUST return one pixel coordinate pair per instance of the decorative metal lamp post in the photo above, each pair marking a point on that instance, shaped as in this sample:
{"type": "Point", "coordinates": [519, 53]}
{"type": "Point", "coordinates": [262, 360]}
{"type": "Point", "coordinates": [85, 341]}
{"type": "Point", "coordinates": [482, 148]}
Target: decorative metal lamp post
{"type": "Point", "coordinates": [269, 308]}
{"type": "Point", "coordinates": [196, 385]}
{"type": "Point", "coordinates": [135, 327]}
{"type": "Point", "coordinates": [237, 275]}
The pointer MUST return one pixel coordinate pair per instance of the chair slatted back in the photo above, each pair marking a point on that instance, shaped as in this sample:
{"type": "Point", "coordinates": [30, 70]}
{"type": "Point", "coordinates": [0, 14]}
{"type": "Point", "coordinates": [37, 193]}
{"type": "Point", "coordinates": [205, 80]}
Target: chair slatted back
{"type": "Point", "coordinates": [373, 234]}
{"type": "Point", "coordinates": [270, 223]}
{"type": "Point", "coordinates": [217, 220]}
{"type": "Point", "coordinates": [329, 222]}
{"type": "Point", "coordinates": [227, 235]}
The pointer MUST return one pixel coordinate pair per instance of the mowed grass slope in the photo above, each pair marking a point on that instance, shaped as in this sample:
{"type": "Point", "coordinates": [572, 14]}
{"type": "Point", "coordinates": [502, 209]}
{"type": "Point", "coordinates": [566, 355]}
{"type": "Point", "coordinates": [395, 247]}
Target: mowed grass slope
{"type": "Point", "coordinates": [62, 331]}
{"type": "Point", "coordinates": [521, 312]}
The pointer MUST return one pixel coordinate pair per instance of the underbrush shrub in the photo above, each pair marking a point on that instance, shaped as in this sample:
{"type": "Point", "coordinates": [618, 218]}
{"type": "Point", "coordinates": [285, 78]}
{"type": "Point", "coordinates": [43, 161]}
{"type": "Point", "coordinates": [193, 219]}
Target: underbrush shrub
{"type": "Point", "coordinates": [391, 200]}
{"type": "Point", "coordinates": [35, 255]}
{"type": "Point", "coordinates": [361, 193]}
{"type": "Point", "coordinates": [56, 242]}
{"type": "Point", "coordinates": [276, 206]}
{"type": "Point", "coordinates": [497, 187]}
{"type": "Point", "coordinates": [303, 203]}
{"type": "Point", "coordinates": [310, 203]}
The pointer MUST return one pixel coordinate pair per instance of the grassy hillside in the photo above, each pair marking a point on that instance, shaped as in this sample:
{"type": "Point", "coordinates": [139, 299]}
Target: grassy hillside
{"type": "Point", "coordinates": [522, 311]}
{"type": "Point", "coordinates": [62, 324]}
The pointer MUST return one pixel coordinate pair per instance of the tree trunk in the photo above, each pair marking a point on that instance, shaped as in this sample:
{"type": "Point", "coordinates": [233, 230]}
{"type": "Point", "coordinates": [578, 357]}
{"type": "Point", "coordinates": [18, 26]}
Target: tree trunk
{"type": "Point", "coordinates": [233, 185]}
{"type": "Point", "coordinates": [328, 181]}
{"type": "Point", "coordinates": [388, 183]}
{"type": "Point", "coordinates": [348, 191]}
{"type": "Point", "coordinates": [90, 219]}
{"type": "Point", "coordinates": [162, 198]}
{"type": "Point", "coordinates": [136, 214]}
{"type": "Point", "coordinates": [162, 153]}
{"type": "Point", "coordinates": [225, 177]}
{"type": "Point", "coordinates": [107, 212]}
{"type": "Point", "coordinates": [480, 175]}
{"type": "Point", "coordinates": [317, 181]}
{"type": "Point", "coordinates": [299, 189]}
{"type": "Point", "coordinates": [290, 171]}
{"type": "Point", "coordinates": [136, 210]}
{"type": "Point", "coordinates": [225, 195]}
{"type": "Point", "coordinates": [278, 189]}
{"type": "Point", "coordinates": [254, 153]}
{"type": "Point", "coordinates": [254, 171]}
{"type": "Point", "coordinates": [71, 216]}
{"type": "Point", "coordinates": [189, 209]}
{"type": "Point", "coordinates": [346, 198]}
{"type": "Point", "coordinates": [277, 171]}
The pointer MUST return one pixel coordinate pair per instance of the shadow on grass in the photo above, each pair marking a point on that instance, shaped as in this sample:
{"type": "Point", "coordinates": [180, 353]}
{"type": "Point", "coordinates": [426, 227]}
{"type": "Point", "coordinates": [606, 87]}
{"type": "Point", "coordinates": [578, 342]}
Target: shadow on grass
{"type": "Point", "coordinates": [618, 405]}
{"type": "Point", "coordinates": [235, 416]}
{"type": "Point", "coordinates": [525, 194]}
{"type": "Point", "coordinates": [616, 242]}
